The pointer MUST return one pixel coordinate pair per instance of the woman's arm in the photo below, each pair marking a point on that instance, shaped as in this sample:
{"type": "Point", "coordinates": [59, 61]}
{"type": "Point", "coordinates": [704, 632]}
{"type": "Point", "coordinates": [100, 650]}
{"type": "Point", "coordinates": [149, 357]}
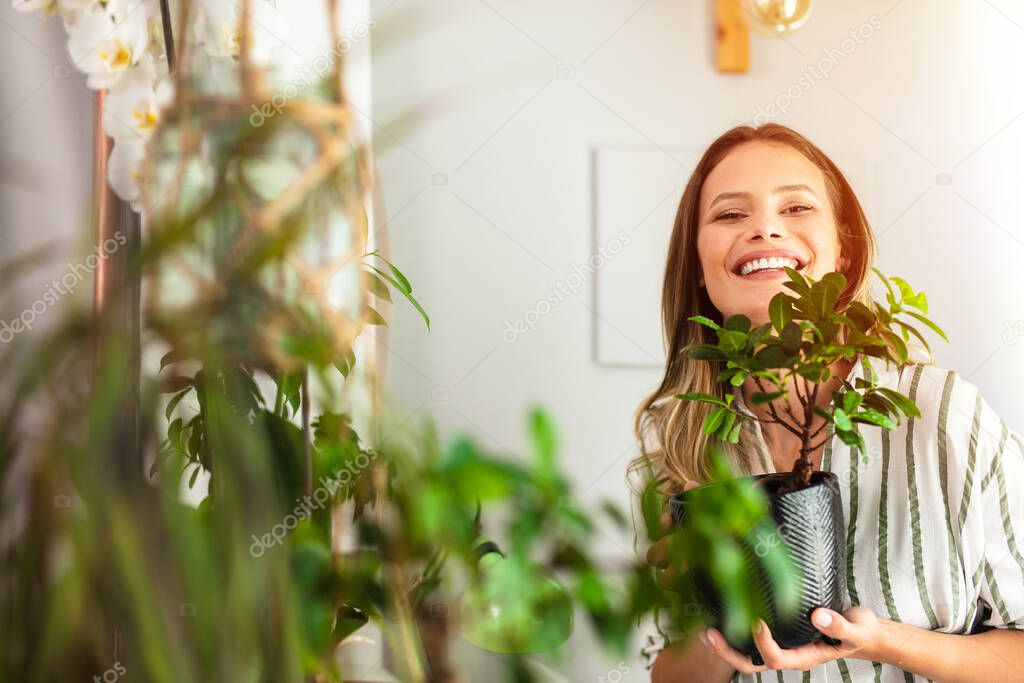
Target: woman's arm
{"type": "Point", "coordinates": [690, 662]}
{"type": "Point", "coordinates": [996, 655]}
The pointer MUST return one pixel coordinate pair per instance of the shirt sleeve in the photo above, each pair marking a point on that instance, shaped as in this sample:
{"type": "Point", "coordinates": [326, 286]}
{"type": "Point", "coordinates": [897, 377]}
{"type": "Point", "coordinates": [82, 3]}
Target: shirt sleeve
{"type": "Point", "coordinates": [1000, 569]}
{"type": "Point", "coordinates": [656, 634]}
{"type": "Point", "coordinates": [659, 629]}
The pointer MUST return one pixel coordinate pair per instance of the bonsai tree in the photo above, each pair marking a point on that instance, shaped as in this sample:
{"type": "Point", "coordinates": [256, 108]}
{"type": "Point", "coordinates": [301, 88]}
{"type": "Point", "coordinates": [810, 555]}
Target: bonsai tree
{"type": "Point", "coordinates": [803, 338]}
{"type": "Point", "coordinates": [728, 536]}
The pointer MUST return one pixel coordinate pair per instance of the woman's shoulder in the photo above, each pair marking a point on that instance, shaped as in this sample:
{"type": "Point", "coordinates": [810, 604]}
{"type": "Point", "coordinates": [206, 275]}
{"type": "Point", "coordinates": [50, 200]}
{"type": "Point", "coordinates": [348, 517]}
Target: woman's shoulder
{"type": "Point", "coordinates": [954, 411]}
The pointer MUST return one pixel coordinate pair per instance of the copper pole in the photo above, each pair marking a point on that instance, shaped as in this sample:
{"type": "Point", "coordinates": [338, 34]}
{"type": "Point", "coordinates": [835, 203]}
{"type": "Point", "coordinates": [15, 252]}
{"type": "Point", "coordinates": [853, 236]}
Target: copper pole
{"type": "Point", "coordinates": [116, 305]}
{"type": "Point", "coordinates": [104, 201]}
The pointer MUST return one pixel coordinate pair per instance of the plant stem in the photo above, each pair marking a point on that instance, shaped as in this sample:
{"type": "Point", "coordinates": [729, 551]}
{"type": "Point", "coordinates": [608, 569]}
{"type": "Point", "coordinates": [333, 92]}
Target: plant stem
{"type": "Point", "coordinates": [775, 414]}
{"type": "Point", "coordinates": [279, 399]}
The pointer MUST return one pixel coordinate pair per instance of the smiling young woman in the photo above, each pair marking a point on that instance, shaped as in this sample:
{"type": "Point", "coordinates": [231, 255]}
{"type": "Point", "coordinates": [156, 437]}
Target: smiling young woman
{"type": "Point", "coordinates": [935, 573]}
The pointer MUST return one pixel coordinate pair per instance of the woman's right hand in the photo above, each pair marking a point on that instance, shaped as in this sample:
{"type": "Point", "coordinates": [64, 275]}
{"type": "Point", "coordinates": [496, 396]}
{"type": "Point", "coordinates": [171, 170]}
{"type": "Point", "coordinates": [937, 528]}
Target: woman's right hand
{"type": "Point", "coordinates": [658, 554]}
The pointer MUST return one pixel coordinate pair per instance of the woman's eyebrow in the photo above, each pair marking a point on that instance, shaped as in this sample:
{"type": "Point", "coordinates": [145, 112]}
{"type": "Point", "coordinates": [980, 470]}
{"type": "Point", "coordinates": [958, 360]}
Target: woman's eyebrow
{"type": "Point", "coordinates": [782, 188]}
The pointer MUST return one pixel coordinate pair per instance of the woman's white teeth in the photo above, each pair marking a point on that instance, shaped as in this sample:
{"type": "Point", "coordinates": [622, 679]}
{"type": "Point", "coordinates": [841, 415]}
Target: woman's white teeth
{"type": "Point", "coordinates": [768, 262]}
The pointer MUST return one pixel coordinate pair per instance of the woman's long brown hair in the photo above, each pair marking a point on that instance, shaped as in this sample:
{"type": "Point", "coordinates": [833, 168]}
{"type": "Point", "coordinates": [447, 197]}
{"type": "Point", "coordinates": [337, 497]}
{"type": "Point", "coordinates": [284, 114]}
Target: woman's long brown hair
{"type": "Point", "coordinates": [673, 427]}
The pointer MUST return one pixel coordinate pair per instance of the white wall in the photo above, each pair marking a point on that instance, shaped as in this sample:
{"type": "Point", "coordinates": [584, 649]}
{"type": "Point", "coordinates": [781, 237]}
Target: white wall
{"type": "Point", "coordinates": [471, 90]}
{"type": "Point", "coordinates": [46, 118]}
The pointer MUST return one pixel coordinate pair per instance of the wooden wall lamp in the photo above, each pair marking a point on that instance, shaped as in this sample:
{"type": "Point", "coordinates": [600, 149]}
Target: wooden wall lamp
{"type": "Point", "coordinates": [733, 19]}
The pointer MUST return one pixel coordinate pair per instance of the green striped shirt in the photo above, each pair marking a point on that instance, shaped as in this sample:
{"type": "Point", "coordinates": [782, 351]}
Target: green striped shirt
{"type": "Point", "coordinates": [935, 519]}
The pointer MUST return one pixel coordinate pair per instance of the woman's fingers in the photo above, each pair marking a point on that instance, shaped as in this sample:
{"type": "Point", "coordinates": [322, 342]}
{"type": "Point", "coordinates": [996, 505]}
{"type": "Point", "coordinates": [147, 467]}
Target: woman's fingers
{"type": "Point", "coordinates": [714, 641]}
{"type": "Point", "coordinates": [670, 577]}
{"type": "Point", "coordinates": [657, 554]}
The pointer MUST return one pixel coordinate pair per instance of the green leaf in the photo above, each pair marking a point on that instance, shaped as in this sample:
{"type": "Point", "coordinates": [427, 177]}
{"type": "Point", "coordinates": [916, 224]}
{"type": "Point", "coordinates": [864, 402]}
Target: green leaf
{"type": "Point", "coordinates": [772, 356]}
{"type": "Point", "coordinates": [738, 378]}
{"type": "Point", "coordinates": [901, 348]}
{"type": "Point", "coordinates": [169, 358]}
{"type": "Point", "coordinates": [398, 279]}
{"type": "Point", "coordinates": [542, 434]}
{"type": "Point", "coordinates": [780, 311]}
{"type": "Point", "coordinates": [706, 398]}
{"type": "Point", "coordinates": [172, 385]}
{"type": "Point", "coordinates": [918, 301]}
{"type": "Point", "coordinates": [760, 398]}
{"type": "Point", "coordinates": [651, 507]}
{"type": "Point", "coordinates": [861, 315]}
{"type": "Point", "coordinates": [908, 407]}
{"type": "Point", "coordinates": [842, 420]}
{"type": "Point", "coordinates": [704, 352]}
{"type": "Point", "coordinates": [738, 323]}
{"type": "Point", "coordinates": [818, 410]}
{"type": "Point", "coordinates": [732, 341]}
{"type": "Point", "coordinates": [935, 328]}
{"type": "Point", "coordinates": [810, 371]}
{"type": "Point", "coordinates": [906, 291]}
{"type": "Point", "coordinates": [885, 281]}
{"type": "Point", "coordinates": [797, 282]}
{"type": "Point", "coordinates": [399, 282]}
{"type": "Point", "coordinates": [912, 330]}
{"type": "Point", "coordinates": [792, 335]}
{"type": "Point", "coordinates": [851, 401]}
{"type": "Point", "coordinates": [173, 403]}
{"type": "Point", "coordinates": [375, 318]}
{"type": "Point", "coordinates": [757, 335]}
{"type": "Point", "coordinates": [404, 281]}
{"type": "Point", "coordinates": [195, 475]}
{"type": "Point", "coordinates": [734, 435]}
{"type": "Point", "coordinates": [727, 425]}
{"type": "Point", "coordinates": [174, 432]}
{"type": "Point", "coordinates": [879, 403]}
{"type": "Point", "coordinates": [852, 438]}
{"type": "Point", "coordinates": [714, 420]}
{"type": "Point", "coordinates": [705, 321]}
{"type": "Point", "coordinates": [874, 417]}
{"type": "Point", "coordinates": [346, 364]}
{"type": "Point", "coordinates": [377, 286]}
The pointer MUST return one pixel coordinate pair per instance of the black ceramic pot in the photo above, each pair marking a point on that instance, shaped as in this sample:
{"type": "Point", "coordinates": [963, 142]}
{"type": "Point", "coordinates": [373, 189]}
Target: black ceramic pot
{"type": "Point", "coordinates": [812, 526]}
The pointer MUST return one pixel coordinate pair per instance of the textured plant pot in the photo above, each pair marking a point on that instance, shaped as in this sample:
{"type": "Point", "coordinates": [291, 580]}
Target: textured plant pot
{"type": "Point", "coordinates": [812, 526]}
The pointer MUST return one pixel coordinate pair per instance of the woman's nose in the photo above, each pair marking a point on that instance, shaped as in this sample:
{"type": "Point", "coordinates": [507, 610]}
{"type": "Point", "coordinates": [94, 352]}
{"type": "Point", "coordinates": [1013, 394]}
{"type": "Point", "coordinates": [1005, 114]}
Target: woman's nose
{"type": "Point", "coordinates": [766, 229]}
{"type": "Point", "coordinates": [766, 234]}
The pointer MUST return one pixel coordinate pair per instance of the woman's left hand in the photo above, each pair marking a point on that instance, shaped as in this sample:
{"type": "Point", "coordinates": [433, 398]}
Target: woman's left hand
{"type": "Point", "coordinates": [856, 628]}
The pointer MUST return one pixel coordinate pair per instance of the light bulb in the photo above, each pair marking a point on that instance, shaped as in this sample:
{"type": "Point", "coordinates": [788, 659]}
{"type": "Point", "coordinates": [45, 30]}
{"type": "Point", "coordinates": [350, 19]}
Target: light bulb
{"type": "Point", "coordinates": [779, 17]}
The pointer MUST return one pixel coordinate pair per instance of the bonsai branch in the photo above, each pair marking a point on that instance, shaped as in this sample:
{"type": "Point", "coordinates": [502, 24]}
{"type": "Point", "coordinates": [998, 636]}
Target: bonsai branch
{"type": "Point", "coordinates": [775, 414]}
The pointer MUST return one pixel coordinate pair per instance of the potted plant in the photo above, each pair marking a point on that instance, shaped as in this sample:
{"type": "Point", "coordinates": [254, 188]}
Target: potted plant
{"type": "Point", "coordinates": [726, 526]}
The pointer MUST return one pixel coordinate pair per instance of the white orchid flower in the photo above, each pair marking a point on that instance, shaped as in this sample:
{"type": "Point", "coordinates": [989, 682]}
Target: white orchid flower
{"type": "Point", "coordinates": [124, 167]}
{"type": "Point", "coordinates": [47, 7]}
{"type": "Point", "coordinates": [106, 42]}
{"type": "Point", "coordinates": [220, 29]}
{"type": "Point", "coordinates": [132, 107]}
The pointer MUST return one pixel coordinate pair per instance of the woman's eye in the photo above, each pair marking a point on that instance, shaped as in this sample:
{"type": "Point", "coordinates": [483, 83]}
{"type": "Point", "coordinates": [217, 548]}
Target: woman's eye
{"type": "Point", "coordinates": [799, 206]}
{"type": "Point", "coordinates": [729, 215]}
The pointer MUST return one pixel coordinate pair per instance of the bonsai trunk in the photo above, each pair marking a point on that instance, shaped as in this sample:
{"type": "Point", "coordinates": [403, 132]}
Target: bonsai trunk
{"type": "Point", "coordinates": [800, 476]}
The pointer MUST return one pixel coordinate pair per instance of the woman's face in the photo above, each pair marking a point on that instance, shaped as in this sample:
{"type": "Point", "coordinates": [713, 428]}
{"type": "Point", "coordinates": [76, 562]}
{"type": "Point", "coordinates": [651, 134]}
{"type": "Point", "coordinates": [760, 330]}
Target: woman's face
{"type": "Point", "coordinates": [761, 199]}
